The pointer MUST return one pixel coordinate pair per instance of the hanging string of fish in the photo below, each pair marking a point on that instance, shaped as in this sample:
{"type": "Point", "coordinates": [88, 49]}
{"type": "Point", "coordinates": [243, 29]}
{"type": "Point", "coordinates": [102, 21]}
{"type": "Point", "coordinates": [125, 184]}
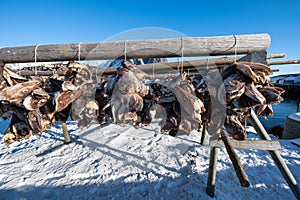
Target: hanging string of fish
{"type": "Point", "coordinates": [182, 103]}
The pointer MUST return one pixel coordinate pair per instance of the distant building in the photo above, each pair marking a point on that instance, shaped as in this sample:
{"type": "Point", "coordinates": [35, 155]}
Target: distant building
{"type": "Point", "coordinates": [286, 79]}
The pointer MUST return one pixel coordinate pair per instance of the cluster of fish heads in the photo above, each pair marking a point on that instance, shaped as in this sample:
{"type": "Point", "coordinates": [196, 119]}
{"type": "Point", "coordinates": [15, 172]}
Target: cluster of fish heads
{"type": "Point", "coordinates": [35, 103]}
{"type": "Point", "coordinates": [247, 88]}
{"type": "Point", "coordinates": [178, 103]}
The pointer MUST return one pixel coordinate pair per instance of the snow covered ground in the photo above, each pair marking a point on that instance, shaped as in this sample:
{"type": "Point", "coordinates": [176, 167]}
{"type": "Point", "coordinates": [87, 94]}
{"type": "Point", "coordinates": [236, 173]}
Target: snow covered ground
{"type": "Point", "coordinates": [116, 162]}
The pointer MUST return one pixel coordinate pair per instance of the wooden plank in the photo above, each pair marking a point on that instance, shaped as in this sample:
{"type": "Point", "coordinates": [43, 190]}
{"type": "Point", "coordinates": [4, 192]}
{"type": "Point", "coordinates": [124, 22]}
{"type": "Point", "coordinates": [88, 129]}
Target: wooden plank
{"type": "Point", "coordinates": [286, 173]}
{"type": "Point", "coordinates": [251, 144]}
{"type": "Point", "coordinates": [156, 48]}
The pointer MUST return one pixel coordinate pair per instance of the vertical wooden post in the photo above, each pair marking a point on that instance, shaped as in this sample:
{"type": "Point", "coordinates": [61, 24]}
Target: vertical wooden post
{"type": "Point", "coordinates": [212, 170]}
{"type": "Point", "coordinates": [256, 56]}
{"type": "Point", "coordinates": [65, 131]}
{"type": "Point", "coordinates": [262, 133]}
{"type": "Point", "coordinates": [203, 133]}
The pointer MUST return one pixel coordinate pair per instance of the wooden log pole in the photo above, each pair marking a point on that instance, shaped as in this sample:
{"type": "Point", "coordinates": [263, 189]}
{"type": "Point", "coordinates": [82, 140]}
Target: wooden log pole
{"type": "Point", "coordinates": [203, 136]}
{"type": "Point", "coordinates": [276, 55]}
{"type": "Point", "coordinates": [191, 65]}
{"type": "Point", "coordinates": [156, 48]}
{"type": "Point", "coordinates": [65, 131]}
{"type": "Point", "coordinates": [212, 171]}
{"type": "Point", "coordinates": [288, 176]}
{"type": "Point", "coordinates": [148, 68]}
{"type": "Point", "coordinates": [238, 167]}
{"type": "Point", "coordinates": [284, 62]}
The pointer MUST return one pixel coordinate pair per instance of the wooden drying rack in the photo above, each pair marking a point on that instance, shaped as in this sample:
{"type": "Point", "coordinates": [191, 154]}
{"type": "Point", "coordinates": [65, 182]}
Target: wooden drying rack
{"type": "Point", "coordinates": [254, 46]}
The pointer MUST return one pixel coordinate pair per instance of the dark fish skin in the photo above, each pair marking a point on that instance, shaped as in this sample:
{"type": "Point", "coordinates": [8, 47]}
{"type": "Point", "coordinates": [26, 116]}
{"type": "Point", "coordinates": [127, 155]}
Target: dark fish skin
{"type": "Point", "coordinates": [259, 109]}
{"type": "Point", "coordinates": [228, 71]}
{"type": "Point", "coordinates": [234, 127]}
{"type": "Point", "coordinates": [234, 86]}
{"type": "Point", "coordinates": [271, 96]}
{"type": "Point", "coordinates": [268, 111]}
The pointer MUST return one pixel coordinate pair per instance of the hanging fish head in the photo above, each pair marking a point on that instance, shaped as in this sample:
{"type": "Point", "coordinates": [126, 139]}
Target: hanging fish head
{"type": "Point", "coordinates": [92, 109]}
{"type": "Point", "coordinates": [37, 99]}
{"type": "Point", "coordinates": [17, 93]}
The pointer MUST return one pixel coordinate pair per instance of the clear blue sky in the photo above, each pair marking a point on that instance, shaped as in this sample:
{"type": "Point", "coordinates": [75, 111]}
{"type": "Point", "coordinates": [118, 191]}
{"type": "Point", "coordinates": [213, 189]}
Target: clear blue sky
{"type": "Point", "coordinates": [47, 22]}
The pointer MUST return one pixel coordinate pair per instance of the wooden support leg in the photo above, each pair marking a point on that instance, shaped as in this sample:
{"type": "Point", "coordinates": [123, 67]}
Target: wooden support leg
{"type": "Point", "coordinates": [238, 167]}
{"type": "Point", "coordinates": [65, 131]}
{"type": "Point", "coordinates": [203, 133]}
{"type": "Point", "coordinates": [262, 133]}
{"type": "Point", "coordinates": [212, 170]}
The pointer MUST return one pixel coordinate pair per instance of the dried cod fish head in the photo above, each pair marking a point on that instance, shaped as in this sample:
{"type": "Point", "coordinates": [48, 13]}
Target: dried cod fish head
{"type": "Point", "coordinates": [12, 78]}
{"type": "Point", "coordinates": [234, 86]}
{"type": "Point", "coordinates": [64, 98]}
{"type": "Point", "coordinates": [271, 94]}
{"type": "Point", "coordinates": [252, 92]}
{"type": "Point", "coordinates": [258, 67]}
{"type": "Point", "coordinates": [16, 132]}
{"type": "Point", "coordinates": [17, 93]}
{"type": "Point", "coordinates": [68, 85]}
{"type": "Point", "coordinates": [247, 71]}
{"type": "Point", "coordinates": [37, 99]}
{"type": "Point", "coordinates": [91, 109]}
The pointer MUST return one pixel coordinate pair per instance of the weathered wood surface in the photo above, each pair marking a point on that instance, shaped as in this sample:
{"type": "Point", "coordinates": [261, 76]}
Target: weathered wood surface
{"type": "Point", "coordinates": [256, 57]}
{"type": "Point", "coordinates": [238, 167]}
{"type": "Point", "coordinates": [156, 48]}
{"type": "Point", "coordinates": [187, 65]}
{"type": "Point", "coordinates": [192, 65]}
{"type": "Point", "coordinates": [284, 62]}
{"type": "Point", "coordinates": [66, 132]}
{"type": "Point", "coordinates": [276, 55]}
{"type": "Point", "coordinates": [212, 171]}
{"type": "Point", "coordinates": [251, 144]}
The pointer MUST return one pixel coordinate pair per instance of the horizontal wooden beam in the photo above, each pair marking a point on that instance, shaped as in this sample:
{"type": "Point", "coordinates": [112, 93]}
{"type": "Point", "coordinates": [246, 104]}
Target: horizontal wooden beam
{"type": "Point", "coordinates": [251, 144]}
{"type": "Point", "coordinates": [276, 55]}
{"type": "Point", "coordinates": [188, 65]}
{"type": "Point", "coordinates": [284, 62]}
{"type": "Point", "coordinates": [194, 65]}
{"type": "Point", "coordinates": [155, 48]}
